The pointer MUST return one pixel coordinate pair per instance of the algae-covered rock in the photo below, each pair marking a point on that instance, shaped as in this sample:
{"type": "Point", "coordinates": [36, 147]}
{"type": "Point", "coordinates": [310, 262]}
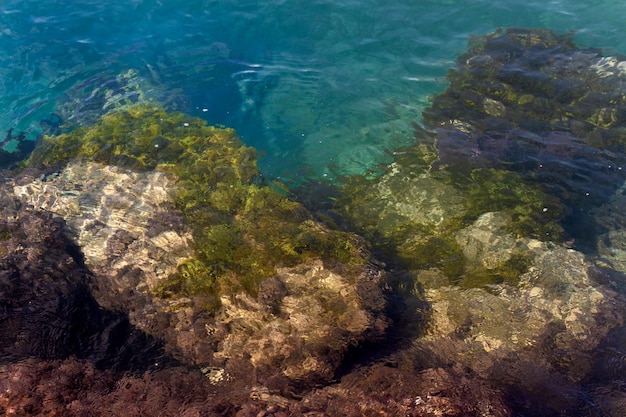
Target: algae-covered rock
{"type": "Point", "coordinates": [531, 101]}
{"type": "Point", "coordinates": [554, 317]}
{"type": "Point", "coordinates": [404, 215]}
{"type": "Point", "coordinates": [241, 228]}
{"type": "Point", "coordinates": [528, 345]}
{"type": "Point", "coordinates": [531, 125]}
{"type": "Point", "coordinates": [412, 217]}
{"type": "Point", "coordinates": [183, 236]}
{"type": "Point", "coordinates": [124, 221]}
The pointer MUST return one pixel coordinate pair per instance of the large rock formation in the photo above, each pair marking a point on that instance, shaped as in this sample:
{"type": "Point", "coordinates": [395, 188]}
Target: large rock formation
{"type": "Point", "coordinates": [181, 255]}
{"type": "Point", "coordinates": [521, 163]}
{"type": "Point", "coordinates": [533, 102]}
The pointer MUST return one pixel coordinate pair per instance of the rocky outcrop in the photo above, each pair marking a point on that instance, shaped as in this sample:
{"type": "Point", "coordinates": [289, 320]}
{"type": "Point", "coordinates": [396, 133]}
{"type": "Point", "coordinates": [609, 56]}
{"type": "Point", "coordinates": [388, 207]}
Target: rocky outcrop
{"type": "Point", "coordinates": [558, 310]}
{"type": "Point", "coordinates": [536, 346]}
{"type": "Point", "coordinates": [147, 269]}
{"type": "Point", "coordinates": [531, 101]}
{"type": "Point", "coordinates": [290, 329]}
{"type": "Point", "coordinates": [46, 307]}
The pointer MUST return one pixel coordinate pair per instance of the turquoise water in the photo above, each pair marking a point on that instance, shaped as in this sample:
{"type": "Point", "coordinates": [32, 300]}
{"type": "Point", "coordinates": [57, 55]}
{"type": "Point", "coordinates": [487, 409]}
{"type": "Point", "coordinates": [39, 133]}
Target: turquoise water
{"type": "Point", "coordinates": [321, 88]}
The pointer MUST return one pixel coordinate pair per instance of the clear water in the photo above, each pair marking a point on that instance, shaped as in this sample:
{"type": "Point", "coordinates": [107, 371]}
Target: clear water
{"type": "Point", "coordinates": [320, 87]}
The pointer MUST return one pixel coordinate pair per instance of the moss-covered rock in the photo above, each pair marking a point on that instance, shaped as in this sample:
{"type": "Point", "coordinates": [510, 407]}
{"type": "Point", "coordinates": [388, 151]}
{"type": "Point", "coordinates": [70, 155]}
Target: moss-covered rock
{"type": "Point", "coordinates": [182, 235]}
{"type": "Point", "coordinates": [531, 101]}
{"type": "Point", "coordinates": [242, 229]}
{"type": "Point", "coordinates": [531, 126]}
{"type": "Point", "coordinates": [413, 218]}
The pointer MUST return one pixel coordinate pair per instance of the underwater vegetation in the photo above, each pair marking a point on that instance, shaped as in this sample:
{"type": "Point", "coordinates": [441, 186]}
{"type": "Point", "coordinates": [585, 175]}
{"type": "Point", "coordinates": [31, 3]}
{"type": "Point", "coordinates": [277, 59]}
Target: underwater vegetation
{"type": "Point", "coordinates": [413, 218]}
{"type": "Point", "coordinates": [532, 102]}
{"type": "Point", "coordinates": [242, 228]}
{"type": "Point", "coordinates": [531, 125]}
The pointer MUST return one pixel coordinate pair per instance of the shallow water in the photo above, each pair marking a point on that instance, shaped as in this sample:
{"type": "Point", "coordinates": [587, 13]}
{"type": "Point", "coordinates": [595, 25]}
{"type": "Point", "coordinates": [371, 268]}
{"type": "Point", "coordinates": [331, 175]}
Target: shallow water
{"type": "Point", "coordinates": [321, 88]}
{"type": "Point", "coordinates": [329, 89]}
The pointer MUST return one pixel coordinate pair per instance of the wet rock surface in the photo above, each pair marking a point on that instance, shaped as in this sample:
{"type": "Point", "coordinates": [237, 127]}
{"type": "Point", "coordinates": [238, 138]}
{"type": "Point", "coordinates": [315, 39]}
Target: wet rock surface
{"type": "Point", "coordinates": [532, 346]}
{"type": "Point", "coordinates": [89, 311]}
{"type": "Point", "coordinates": [558, 309]}
{"type": "Point", "coordinates": [611, 219]}
{"type": "Point", "coordinates": [532, 102]}
{"type": "Point", "coordinates": [292, 334]}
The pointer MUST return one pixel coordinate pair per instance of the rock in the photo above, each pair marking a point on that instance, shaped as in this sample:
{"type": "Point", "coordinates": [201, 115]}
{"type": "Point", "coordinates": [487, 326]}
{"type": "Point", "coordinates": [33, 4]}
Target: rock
{"type": "Point", "coordinates": [76, 388]}
{"type": "Point", "coordinates": [318, 316]}
{"type": "Point", "coordinates": [47, 309]}
{"type": "Point", "coordinates": [124, 221]}
{"type": "Point", "coordinates": [299, 327]}
{"type": "Point", "coordinates": [247, 286]}
{"type": "Point", "coordinates": [532, 102]}
{"type": "Point", "coordinates": [394, 389]}
{"type": "Point", "coordinates": [542, 335]}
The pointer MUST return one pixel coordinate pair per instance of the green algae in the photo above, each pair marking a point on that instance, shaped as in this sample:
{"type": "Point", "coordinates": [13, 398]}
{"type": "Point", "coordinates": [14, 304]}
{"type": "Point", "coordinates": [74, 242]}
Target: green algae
{"type": "Point", "coordinates": [508, 272]}
{"type": "Point", "coordinates": [242, 229]}
{"type": "Point", "coordinates": [415, 244]}
{"type": "Point", "coordinates": [534, 213]}
{"type": "Point", "coordinates": [408, 237]}
{"type": "Point", "coordinates": [530, 126]}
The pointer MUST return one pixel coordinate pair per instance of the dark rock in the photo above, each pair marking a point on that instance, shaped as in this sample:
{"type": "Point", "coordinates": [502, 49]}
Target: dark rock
{"type": "Point", "coordinates": [531, 101]}
{"type": "Point", "coordinates": [46, 308]}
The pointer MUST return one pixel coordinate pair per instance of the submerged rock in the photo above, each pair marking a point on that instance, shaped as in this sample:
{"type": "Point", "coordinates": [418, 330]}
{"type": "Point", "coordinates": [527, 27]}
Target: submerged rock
{"type": "Point", "coordinates": [123, 221]}
{"type": "Point", "coordinates": [524, 151]}
{"type": "Point", "coordinates": [532, 102]}
{"type": "Point", "coordinates": [559, 297]}
{"type": "Point", "coordinates": [46, 307]}
{"type": "Point", "coordinates": [413, 217]}
{"type": "Point", "coordinates": [527, 347]}
{"type": "Point", "coordinates": [531, 125]}
{"type": "Point", "coordinates": [267, 308]}
{"type": "Point", "coordinates": [304, 322]}
{"type": "Point", "coordinates": [182, 238]}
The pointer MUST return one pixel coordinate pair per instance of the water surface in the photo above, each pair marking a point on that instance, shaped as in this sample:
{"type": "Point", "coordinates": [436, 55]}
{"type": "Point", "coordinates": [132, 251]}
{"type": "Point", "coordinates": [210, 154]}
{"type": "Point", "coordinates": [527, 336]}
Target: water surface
{"type": "Point", "coordinates": [320, 88]}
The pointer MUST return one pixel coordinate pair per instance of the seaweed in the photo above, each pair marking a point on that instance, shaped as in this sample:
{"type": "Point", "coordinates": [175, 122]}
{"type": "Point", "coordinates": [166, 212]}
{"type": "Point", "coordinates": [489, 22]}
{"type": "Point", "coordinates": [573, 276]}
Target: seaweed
{"type": "Point", "coordinates": [416, 243]}
{"type": "Point", "coordinates": [242, 229]}
{"type": "Point", "coordinates": [531, 126]}
{"type": "Point", "coordinates": [531, 101]}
